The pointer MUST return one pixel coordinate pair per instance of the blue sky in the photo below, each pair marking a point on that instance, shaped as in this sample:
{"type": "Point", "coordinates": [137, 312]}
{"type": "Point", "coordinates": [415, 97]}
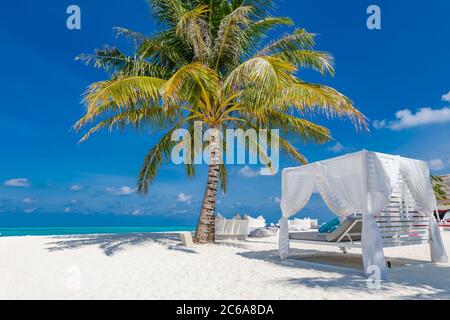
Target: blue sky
{"type": "Point", "coordinates": [398, 76]}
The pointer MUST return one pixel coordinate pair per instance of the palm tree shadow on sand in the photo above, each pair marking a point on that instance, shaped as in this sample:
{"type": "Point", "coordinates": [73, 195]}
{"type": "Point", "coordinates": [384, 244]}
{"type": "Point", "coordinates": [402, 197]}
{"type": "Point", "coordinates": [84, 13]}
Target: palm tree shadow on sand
{"type": "Point", "coordinates": [426, 280]}
{"type": "Point", "coordinates": [111, 244]}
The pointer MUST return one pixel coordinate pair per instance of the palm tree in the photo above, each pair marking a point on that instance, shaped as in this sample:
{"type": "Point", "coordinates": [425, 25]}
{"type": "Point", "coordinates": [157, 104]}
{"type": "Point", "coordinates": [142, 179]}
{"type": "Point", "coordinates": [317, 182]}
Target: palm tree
{"type": "Point", "coordinates": [212, 61]}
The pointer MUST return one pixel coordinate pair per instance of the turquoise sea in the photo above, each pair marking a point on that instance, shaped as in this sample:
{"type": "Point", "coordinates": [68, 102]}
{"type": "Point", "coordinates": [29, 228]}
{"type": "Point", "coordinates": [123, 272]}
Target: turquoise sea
{"type": "Point", "coordinates": [56, 231]}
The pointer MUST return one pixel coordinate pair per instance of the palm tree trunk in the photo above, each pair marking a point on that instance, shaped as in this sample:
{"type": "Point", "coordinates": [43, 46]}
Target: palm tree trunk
{"type": "Point", "coordinates": [205, 232]}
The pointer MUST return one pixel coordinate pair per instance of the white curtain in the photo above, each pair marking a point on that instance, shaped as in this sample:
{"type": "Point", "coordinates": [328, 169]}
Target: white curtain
{"type": "Point", "coordinates": [345, 177]}
{"type": "Point", "coordinates": [297, 187]}
{"type": "Point", "coordinates": [381, 178]}
{"type": "Point", "coordinates": [417, 176]}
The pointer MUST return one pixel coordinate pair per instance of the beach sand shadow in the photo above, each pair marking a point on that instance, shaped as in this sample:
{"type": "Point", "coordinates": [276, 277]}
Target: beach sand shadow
{"type": "Point", "coordinates": [111, 244]}
{"type": "Point", "coordinates": [419, 275]}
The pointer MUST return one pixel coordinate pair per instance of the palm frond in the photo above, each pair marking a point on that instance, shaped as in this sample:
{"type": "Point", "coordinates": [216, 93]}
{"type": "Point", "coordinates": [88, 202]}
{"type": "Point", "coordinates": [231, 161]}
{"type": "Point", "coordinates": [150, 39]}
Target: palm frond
{"type": "Point", "coordinates": [315, 98]}
{"type": "Point", "coordinates": [193, 28]}
{"type": "Point", "coordinates": [285, 146]}
{"type": "Point", "coordinates": [316, 60]}
{"type": "Point", "coordinates": [166, 50]}
{"type": "Point", "coordinates": [168, 12]}
{"type": "Point", "coordinates": [297, 40]}
{"type": "Point", "coordinates": [268, 23]}
{"type": "Point", "coordinates": [268, 74]}
{"type": "Point", "coordinates": [259, 30]}
{"type": "Point", "coordinates": [290, 150]}
{"type": "Point", "coordinates": [153, 117]}
{"type": "Point", "coordinates": [231, 38]}
{"type": "Point", "coordinates": [188, 83]}
{"type": "Point", "coordinates": [153, 161]}
{"type": "Point", "coordinates": [261, 8]}
{"type": "Point", "coordinates": [136, 37]}
{"type": "Point", "coordinates": [116, 63]}
{"type": "Point", "coordinates": [294, 127]}
{"type": "Point", "coordinates": [123, 92]}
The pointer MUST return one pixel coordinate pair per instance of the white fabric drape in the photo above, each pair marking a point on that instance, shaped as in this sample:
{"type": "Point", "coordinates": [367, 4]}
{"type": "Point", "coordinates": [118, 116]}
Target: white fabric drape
{"type": "Point", "coordinates": [417, 176]}
{"type": "Point", "coordinates": [345, 177]}
{"type": "Point", "coordinates": [381, 178]}
{"type": "Point", "coordinates": [297, 187]}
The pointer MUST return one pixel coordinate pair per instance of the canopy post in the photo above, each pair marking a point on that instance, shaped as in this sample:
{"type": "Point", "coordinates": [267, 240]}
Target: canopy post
{"type": "Point", "coordinates": [437, 249]}
{"type": "Point", "coordinates": [283, 238]}
{"type": "Point", "coordinates": [372, 248]}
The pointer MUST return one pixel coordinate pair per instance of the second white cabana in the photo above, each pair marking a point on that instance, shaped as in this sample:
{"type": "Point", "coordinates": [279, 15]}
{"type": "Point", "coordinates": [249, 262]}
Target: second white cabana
{"type": "Point", "coordinates": [361, 183]}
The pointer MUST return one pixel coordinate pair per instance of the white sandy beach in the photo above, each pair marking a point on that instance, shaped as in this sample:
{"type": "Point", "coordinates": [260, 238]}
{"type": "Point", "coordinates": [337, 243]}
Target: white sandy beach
{"type": "Point", "coordinates": [155, 266]}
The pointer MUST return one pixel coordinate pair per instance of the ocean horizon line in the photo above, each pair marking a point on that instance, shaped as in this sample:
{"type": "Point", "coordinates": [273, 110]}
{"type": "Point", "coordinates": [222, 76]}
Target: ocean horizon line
{"type": "Point", "coordinates": [67, 230]}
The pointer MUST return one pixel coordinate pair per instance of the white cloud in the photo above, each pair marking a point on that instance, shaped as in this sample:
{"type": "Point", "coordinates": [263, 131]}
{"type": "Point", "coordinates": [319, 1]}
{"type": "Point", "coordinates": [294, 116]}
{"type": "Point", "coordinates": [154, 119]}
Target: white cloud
{"type": "Point", "coordinates": [72, 202]}
{"type": "Point", "coordinates": [28, 200]}
{"type": "Point", "coordinates": [122, 191]}
{"type": "Point", "coordinates": [274, 199]}
{"type": "Point", "coordinates": [336, 148]}
{"type": "Point", "coordinates": [184, 198]}
{"type": "Point", "coordinates": [407, 119]}
{"type": "Point", "coordinates": [19, 183]}
{"type": "Point", "coordinates": [76, 187]}
{"type": "Point", "coordinates": [436, 164]}
{"type": "Point", "coordinates": [30, 210]}
{"type": "Point", "coordinates": [136, 212]}
{"type": "Point", "coordinates": [67, 209]}
{"type": "Point", "coordinates": [446, 97]}
{"type": "Point", "coordinates": [248, 172]}
{"type": "Point", "coordinates": [379, 124]}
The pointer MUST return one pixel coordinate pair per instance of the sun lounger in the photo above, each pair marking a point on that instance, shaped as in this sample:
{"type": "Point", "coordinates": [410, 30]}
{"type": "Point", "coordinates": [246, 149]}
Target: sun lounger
{"type": "Point", "coordinates": [396, 230]}
{"type": "Point", "coordinates": [347, 235]}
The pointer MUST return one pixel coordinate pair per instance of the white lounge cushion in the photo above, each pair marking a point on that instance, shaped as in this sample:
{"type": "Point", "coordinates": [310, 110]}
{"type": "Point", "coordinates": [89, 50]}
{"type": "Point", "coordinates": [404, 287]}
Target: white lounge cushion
{"type": "Point", "coordinates": [299, 225]}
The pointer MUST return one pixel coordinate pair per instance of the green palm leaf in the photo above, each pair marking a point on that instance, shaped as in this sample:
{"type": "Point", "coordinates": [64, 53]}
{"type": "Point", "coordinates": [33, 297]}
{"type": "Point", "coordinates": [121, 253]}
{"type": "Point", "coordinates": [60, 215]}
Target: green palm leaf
{"type": "Point", "coordinates": [316, 60]}
{"type": "Point", "coordinates": [231, 38]}
{"type": "Point", "coordinates": [299, 39]}
{"type": "Point", "coordinates": [311, 99]}
{"type": "Point", "coordinates": [268, 74]}
{"type": "Point", "coordinates": [193, 28]}
{"type": "Point", "coordinates": [123, 91]}
{"type": "Point", "coordinates": [153, 161]}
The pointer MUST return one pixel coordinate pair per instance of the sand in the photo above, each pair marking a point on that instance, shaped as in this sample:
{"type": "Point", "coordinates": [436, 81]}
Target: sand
{"type": "Point", "coordinates": [156, 266]}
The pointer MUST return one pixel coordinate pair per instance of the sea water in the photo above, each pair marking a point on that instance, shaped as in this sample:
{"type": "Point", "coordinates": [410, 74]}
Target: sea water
{"type": "Point", "coordinates": [56, 231]}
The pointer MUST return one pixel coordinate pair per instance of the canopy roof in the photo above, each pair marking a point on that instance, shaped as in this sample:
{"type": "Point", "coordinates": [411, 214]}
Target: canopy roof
{"type": "Point", "coordinates": [358, 182]}
{"type": "Point", "coordinates": [361, 182]}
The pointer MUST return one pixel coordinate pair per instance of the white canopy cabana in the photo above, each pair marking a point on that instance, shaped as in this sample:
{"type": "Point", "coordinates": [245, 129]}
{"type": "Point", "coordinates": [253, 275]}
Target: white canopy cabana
{"type": "Point", "coordinates": [362, 183]}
